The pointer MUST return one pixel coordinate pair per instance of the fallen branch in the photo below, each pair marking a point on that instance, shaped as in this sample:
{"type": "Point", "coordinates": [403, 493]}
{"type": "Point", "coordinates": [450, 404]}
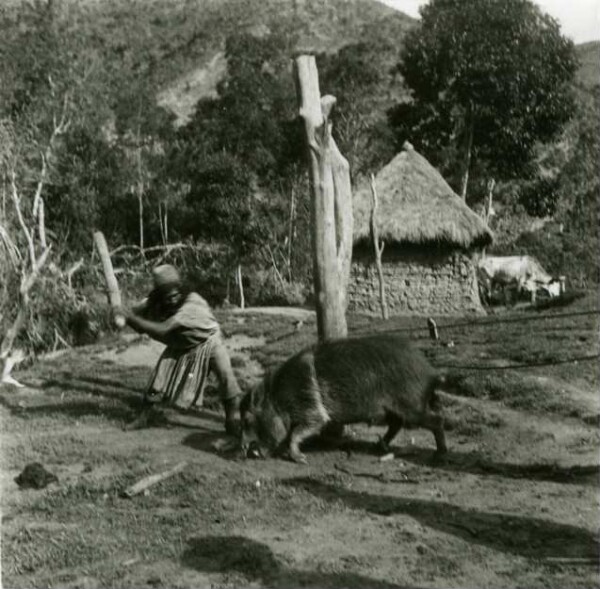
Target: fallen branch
{"type": "Point", "coordinates": [53, 355]}
{"type": "Point", "coordinates": [154, 248]}
{"type": "Point", "coordinates": [152, 480]}
{"type": "Point", "coordinates": [572, 560]}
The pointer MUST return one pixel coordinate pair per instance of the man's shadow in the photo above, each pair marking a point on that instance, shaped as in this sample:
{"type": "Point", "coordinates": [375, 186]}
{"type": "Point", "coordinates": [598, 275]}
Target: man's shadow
{"type": "Point", "coordinates": [255, 561]}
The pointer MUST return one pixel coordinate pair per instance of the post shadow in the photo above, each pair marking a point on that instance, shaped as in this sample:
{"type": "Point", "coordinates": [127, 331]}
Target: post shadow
{"type": "Point", "coordinates": [473, 463]}
{"type": "Point", "coordinates": [520, 535]}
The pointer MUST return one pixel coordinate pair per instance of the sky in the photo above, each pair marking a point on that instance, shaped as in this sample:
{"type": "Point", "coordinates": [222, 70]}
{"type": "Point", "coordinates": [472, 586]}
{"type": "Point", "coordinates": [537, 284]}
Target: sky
{"type": "Point", "coordinates": [579, 19]}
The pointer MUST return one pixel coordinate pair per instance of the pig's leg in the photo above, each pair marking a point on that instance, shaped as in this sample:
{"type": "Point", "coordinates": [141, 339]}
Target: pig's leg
{"type": "Point", "coordinates": [300, 433]}
{"type": "Point", "coordinates": [394, 423]}
{"type": "Point", "coordinates": [333, 430]}
{"type": "Point", "coordinates": [435, 423]}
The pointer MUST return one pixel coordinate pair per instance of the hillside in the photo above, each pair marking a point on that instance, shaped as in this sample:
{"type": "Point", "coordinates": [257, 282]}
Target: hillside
{"type": "Point", "coordinates": [324, 27]}
{"type": "Point", "coordinates": [180, 45]}
{"type": "Point", "coordinates": [588, 74]}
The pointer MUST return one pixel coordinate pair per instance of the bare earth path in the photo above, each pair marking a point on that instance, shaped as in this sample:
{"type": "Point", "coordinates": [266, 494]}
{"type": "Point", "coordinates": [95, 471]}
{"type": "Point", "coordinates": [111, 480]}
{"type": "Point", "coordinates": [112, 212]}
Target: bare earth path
{"type": "Point", "coordinates": [516, 505]}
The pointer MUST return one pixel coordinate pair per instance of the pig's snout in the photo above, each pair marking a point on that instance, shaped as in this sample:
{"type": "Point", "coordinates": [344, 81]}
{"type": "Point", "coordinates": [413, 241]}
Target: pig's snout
{"type": "Point", "coordinates": [252, 450]}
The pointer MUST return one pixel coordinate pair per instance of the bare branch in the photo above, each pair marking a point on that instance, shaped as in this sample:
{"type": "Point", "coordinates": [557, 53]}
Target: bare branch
{"type": "Point", "coordinates": [17, 202]}
{"type": "Point", "coordinates": [58, 128]}
{"type": "Point", "coordinates": [28, 280]}
{"type": "Point", "coordinates": [59, 339]}
{"type": "Point", "coordinates": [13, 251]}
{"type": "Point", "coordinates": [277, 273]}
{"type": "Point", "coordinates": [71, 271]}
{"type": "Point", "coordinates": [64, 122]}
{"type": "Point", "coordinates": [378, 250]}
{"type": "Point", "coordinates": [42, 224]}
{"type": "Point", "coordinates": [40, 185]}
{"type": "Point", "coordinates": [11, 333]}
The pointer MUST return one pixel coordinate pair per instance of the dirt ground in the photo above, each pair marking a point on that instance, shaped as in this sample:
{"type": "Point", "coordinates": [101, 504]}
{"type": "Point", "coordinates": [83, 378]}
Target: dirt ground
{"type": "Point", "coordinates": [515, 505]}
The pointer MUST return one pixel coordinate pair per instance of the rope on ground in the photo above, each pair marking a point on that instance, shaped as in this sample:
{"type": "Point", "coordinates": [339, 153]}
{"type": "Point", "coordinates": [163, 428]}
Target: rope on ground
{"type": "Point", "coordinates": [528, 365]}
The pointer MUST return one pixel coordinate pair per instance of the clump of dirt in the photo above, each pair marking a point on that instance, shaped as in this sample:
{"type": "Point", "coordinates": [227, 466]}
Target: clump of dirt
{"type": "Point", "coordinates": [35, 476]}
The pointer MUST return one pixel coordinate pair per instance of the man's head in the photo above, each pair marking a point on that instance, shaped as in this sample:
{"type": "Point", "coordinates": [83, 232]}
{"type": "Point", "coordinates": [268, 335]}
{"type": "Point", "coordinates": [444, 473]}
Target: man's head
{"type": "Point", "coordinates": [167, 284]}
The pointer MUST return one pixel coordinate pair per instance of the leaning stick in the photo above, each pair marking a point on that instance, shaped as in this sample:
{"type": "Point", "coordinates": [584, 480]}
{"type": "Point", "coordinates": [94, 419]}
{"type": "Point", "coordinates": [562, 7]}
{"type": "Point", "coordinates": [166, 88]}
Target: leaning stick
{"type": "Point", "coordinates": [114, 295]}
{"type": "Point", "coordinates": [152, 480]}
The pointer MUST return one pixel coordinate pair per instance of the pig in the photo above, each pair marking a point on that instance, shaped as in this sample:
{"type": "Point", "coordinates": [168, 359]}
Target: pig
{"type": "Point", "coordinates": [376, 379]}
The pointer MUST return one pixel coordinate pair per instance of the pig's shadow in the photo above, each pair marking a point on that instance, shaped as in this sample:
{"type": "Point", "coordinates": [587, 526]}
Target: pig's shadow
{"type": "Point", "coordinates": [205, 441]}
{"type": "Point", "coordinates": [255, 561]}
{"type": "Point", "coordinates": [313, 446]}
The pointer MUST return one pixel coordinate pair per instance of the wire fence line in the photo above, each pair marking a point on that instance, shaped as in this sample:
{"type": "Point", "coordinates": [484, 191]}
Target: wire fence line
{"type": "Point", "coordinates": [588, 358]}
{"type": "Point", "coordinates": [526, 365]}
{"type": "Point", "coordinates": [485, 323]}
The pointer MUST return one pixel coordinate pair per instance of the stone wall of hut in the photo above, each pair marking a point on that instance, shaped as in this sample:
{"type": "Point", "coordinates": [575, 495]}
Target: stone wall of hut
{"type": "Point", "coordinates": [429, 282]}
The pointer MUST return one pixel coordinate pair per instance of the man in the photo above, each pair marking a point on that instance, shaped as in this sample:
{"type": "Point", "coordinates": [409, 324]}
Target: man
{"type": "Point", "coordinates": [185, 323]}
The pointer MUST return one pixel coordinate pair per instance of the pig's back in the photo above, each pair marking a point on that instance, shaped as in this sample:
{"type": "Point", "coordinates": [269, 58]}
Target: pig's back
{"type": "Point", "coordinates": [361, 378]}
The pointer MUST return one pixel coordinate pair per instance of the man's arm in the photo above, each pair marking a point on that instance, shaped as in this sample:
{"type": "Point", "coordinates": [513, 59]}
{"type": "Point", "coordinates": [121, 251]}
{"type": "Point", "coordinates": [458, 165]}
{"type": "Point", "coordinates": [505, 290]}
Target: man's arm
{"type": "Point", "coordinates": [158, 330]}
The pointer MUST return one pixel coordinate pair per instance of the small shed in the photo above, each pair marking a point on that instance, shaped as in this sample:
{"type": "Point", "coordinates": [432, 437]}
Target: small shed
{"type": "Point", "coordinates": [430, 236]}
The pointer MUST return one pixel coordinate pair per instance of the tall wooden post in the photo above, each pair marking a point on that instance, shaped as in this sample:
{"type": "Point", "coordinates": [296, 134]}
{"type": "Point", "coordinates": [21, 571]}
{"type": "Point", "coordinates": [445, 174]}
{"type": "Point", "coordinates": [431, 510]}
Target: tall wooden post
{"type": "Point", "coordinates": [331, 203]}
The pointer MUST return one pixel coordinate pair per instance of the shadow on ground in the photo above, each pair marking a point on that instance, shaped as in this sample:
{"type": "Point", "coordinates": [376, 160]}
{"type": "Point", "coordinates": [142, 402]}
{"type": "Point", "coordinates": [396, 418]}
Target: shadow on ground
{"type": "Point", "coordinates": [75, 410]}
{"type": "Point", "coordinates": [473, 463]}
{"type": "Point", "coordinates": [255, 561]}
{"type": "Point", "coordinates": [523, 536]}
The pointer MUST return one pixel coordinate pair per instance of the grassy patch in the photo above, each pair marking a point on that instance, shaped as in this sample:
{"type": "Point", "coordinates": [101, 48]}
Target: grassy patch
{"type": "Point", "coordinates": [517, 391]}
{"type": "Point", "coordinates": [467, 420]}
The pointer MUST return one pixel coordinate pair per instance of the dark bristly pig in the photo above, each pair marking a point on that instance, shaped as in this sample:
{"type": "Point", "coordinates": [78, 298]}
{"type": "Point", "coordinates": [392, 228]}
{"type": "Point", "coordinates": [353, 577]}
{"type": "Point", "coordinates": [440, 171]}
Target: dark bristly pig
{"type": "Point", "coordinates": [377, 379]}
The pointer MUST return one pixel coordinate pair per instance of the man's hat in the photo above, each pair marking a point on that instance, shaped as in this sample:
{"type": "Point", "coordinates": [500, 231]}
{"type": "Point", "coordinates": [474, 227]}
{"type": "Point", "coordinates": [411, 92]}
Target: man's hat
{"type": "Point", "coordinates": [165, 276]}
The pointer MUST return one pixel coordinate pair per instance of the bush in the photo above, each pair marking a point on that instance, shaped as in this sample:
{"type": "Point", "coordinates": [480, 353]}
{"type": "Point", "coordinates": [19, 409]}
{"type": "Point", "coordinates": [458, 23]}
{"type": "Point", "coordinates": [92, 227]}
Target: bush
{"type": "Point", "coordinates": [58, 312]}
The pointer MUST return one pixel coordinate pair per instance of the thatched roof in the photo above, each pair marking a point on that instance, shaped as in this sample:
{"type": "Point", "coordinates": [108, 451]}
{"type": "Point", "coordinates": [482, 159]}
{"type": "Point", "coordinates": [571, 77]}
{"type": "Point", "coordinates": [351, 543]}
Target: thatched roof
{"type": "Point", "coordinates": [416, 205]}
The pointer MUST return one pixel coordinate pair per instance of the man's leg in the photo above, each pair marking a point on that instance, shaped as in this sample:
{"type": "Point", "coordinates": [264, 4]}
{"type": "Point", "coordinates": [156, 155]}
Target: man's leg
{"type": "Point", "coordinates": [229, 388]}
{"type": "Point", "coordinates": [150, 415]}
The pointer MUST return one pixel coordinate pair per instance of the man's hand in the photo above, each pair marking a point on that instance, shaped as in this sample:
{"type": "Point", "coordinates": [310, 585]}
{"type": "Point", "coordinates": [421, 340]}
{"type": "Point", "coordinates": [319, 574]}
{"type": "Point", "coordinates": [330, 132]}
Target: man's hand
{"type": "Point", "coordinates": [158, 330]}
{"type": "Point", "coordinates": [120, 316]}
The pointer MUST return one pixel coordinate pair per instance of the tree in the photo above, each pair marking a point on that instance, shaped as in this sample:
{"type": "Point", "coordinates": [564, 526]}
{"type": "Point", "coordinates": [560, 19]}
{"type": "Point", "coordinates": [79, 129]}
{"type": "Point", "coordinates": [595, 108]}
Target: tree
{"type": "Point", "coordinates": [490, 79]}
{"type": "Point", "coordinates": [578, 181]}
{"type": "Point", "coordinates": [360, 77]}
{"type": "Point", "coordinates": [223, 205]}
{"type": "Point", "coordinates": [238, 157]}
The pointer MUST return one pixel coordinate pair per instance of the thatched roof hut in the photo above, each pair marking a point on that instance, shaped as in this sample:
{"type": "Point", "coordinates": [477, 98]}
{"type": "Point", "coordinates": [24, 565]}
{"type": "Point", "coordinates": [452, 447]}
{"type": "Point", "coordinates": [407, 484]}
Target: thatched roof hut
{"type": "Point", "coordinates": [430, 235]}
{"type": "Point", "coordinates": [417, 206]}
